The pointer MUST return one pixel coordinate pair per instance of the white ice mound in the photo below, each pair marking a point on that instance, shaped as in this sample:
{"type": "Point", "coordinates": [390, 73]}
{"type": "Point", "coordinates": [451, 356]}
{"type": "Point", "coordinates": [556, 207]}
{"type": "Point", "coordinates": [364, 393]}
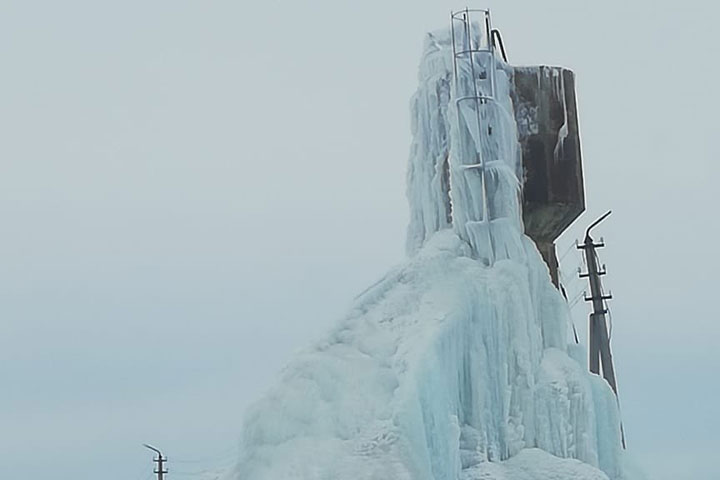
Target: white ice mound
{"type": "Point", "coordinates": [455, 365]}
{"type": "Point", "coordinates": [440, 371]}
{"type": "Point", "coordinates": [534, 464]}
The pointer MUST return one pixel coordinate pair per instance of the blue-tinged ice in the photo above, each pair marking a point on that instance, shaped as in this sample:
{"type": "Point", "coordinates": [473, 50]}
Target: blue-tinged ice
{"type": "Point", "coordinates": [456, 365]}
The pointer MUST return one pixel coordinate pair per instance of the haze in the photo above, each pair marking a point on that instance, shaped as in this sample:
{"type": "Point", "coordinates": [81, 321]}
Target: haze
{"type": "Point", "coordinates": [190, 191]}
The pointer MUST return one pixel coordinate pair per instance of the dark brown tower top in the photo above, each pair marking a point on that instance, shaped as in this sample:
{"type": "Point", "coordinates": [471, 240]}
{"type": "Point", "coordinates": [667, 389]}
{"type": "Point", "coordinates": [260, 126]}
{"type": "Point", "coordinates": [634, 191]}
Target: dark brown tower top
{"type": "Point", "coordinates": [546, 115]}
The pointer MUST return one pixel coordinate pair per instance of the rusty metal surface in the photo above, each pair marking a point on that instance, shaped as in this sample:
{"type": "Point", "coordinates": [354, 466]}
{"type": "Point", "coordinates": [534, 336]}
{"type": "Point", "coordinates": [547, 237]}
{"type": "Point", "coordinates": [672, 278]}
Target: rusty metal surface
{"type": "Point", "coordinates": [546, 114]}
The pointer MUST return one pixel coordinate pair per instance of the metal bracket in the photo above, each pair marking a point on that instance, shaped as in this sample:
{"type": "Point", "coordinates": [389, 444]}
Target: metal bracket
{"type": "Point", "coordinates": [587, 274]}
{"type": "Point", "coordinates": [583, 246]}
{"type": "Point", "coordinates": [601, 297]}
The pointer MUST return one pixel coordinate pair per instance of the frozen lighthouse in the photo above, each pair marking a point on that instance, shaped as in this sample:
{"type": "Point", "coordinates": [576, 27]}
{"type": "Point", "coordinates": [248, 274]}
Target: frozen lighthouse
{"type": "Point", "coordinates": [458, 364]}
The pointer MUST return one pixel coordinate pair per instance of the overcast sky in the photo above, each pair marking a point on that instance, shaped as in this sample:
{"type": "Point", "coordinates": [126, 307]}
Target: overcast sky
{"type": "Point", "coordinates": [190, 191]}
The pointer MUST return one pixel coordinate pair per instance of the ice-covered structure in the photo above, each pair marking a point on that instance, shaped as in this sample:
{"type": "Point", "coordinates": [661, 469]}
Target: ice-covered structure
{"type": "Point", "coordinates": [513, 127]}
{"type": "Point", "coordinates": [455, 365]}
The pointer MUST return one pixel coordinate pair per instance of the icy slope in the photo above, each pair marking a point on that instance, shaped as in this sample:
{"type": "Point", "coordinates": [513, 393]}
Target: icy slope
{"type": "Point", "coordinates": [441, 367]}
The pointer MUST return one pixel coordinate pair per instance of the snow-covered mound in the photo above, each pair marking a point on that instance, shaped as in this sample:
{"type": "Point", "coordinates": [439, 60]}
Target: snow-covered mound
{"type": "Point", "coordinates": [443, 366]}
{"type": "Point", "coordinates": [454, 366]}
{"type": "Point", "coordinates": [534, 464]}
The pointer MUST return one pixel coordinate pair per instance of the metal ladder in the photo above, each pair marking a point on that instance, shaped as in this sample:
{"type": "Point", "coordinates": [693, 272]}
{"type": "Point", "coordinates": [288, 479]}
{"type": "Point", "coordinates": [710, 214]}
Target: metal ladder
{"type": "Point", "coordinates": [474, 51]}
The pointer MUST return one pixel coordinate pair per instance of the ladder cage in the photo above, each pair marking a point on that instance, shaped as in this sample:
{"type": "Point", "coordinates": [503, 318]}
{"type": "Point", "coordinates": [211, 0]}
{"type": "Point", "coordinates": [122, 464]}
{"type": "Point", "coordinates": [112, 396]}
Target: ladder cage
{"type": "Point", "coordinates": [473, 52]}
{"type": "Point", "coordinates": [486, 159]}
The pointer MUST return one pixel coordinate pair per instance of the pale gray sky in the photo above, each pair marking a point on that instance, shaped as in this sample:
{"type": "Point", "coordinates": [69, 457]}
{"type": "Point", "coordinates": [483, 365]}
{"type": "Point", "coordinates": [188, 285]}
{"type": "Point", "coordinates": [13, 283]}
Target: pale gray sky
{"type": "Point", "coordinates": [191, 190]}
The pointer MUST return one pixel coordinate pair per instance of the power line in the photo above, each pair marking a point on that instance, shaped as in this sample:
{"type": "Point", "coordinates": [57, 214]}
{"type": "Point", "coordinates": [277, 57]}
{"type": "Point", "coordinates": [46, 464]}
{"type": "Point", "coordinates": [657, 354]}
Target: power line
{"type": "Point", "coordinates": [222, 456]}
{"type": "Point", "coordinates": [565, 254]}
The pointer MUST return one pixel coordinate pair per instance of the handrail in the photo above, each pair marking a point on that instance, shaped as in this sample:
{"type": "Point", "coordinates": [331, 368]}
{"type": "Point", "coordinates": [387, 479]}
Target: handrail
{"type": "Point", "coordinates": [495, 34]}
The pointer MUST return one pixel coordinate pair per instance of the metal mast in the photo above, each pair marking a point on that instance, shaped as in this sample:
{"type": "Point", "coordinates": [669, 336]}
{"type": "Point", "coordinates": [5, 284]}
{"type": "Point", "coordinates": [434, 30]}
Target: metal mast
{"type": "Point", "coordinates": [599, 343]}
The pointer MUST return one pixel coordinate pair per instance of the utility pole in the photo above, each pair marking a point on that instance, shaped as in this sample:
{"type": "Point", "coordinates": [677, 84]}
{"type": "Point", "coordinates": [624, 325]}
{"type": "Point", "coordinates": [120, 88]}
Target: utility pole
{"type": "Point", "coordinates": [160, 460]}
{"type": "Point", "coordinates": [598, 329]}
{"type": "Point", "coordinates": [599, 338]}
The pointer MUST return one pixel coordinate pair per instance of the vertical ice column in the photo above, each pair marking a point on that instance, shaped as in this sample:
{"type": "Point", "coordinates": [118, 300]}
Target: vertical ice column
{"type": "Point", "coordinates": [484, 155]}
{"type": "Point", "coordinates": [428, 178]}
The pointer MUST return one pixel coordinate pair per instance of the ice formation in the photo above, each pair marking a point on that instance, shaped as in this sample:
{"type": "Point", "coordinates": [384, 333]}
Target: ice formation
{"type": "Point", "coordinates": [456, 364]}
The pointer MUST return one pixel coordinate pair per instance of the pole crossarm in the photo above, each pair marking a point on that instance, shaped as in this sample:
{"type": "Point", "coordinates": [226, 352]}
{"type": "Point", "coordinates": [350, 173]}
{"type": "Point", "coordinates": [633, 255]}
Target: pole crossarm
{"type": "Point", "coordinates": [584, 246]}
{"type": "Point", "coordinates": [160, 471]}
{"type": "Point", "coordinates": [601, 297]}
{"type": "Point", "coordinates": [587, 274]}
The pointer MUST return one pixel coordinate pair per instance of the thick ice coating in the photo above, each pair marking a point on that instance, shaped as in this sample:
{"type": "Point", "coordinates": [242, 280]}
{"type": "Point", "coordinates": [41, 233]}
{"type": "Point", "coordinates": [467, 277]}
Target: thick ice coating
{"type": "Point", "coordinates": [446, 368]}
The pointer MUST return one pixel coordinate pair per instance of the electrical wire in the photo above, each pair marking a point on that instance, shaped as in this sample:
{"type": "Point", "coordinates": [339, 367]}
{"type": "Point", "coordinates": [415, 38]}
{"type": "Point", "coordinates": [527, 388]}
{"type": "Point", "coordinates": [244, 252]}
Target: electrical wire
{"type": "Point", "coordinates": [142, 473]}
{"type": "Point", "coordinates": [576, 299]}
{"type": "Point", "coordinates": [565, 253]}
{"type": "Point", "coordinates": [575, 334]}
{"type": "Point", "coordinates": [568, 280]}
{"type": "Point", "coordinates": [207, 471]}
